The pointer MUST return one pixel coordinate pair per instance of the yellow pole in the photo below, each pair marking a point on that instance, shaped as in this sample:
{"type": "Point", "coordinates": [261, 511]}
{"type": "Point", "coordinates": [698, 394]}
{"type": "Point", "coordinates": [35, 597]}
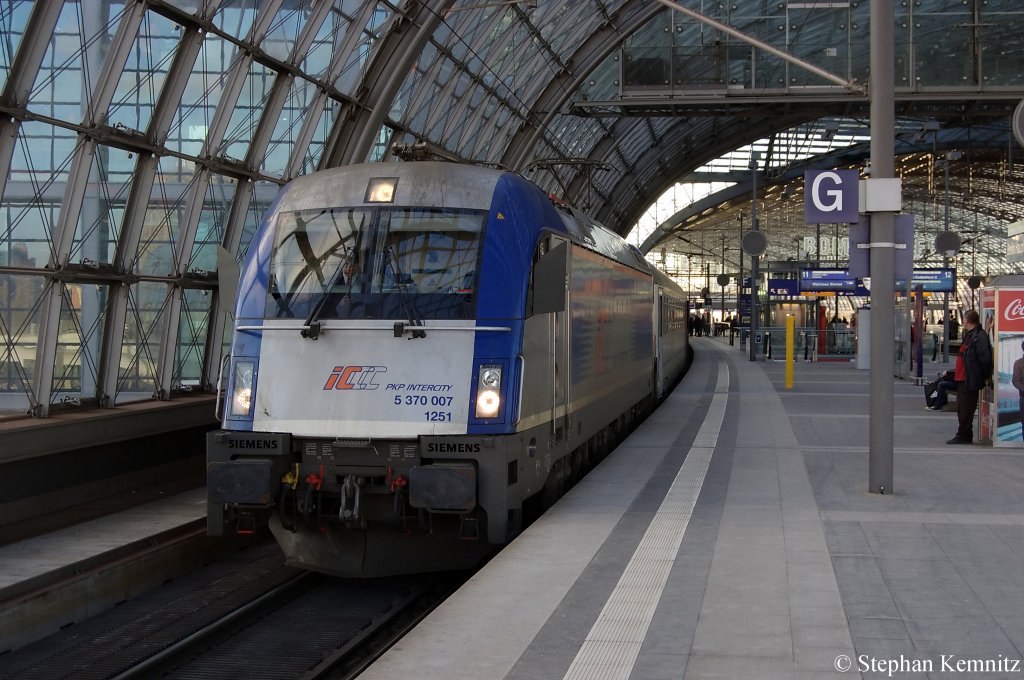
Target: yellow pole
{"type": "Point", "coordinates": [790, 332]}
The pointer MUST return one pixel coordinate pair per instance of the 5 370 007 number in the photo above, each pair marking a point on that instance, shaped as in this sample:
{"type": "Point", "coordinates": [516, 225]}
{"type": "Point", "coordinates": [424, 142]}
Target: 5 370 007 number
{"type": "Point", "coordinates": [422, 400]}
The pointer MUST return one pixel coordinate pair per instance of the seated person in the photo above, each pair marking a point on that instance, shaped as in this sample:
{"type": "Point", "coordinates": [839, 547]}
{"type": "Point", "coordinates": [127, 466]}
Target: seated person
{"type": "Point", "coordinates": [350, 274]}
{"type": "Point", "coordinates": [946, 384]}
{"type": "Point", "coordinates": [346, 292]}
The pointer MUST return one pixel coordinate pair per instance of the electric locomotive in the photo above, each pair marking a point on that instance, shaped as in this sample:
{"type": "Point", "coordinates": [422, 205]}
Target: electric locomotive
{"type": "Point", "coordinates": [422, 354]}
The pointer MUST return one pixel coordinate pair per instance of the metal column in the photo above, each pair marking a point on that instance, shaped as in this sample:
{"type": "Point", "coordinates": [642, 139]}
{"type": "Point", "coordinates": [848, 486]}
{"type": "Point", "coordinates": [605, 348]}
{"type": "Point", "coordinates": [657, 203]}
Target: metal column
{"type": "Point", "coordinates": [882, 251]}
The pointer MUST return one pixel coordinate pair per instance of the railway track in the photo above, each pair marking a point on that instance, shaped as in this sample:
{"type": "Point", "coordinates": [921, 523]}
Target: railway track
{"type": "Point", "coordinates": [245, 616]}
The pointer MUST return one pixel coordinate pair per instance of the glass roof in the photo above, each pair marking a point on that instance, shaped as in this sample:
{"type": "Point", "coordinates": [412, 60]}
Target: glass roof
{"type": "Point", "coordinates": [137, 137]}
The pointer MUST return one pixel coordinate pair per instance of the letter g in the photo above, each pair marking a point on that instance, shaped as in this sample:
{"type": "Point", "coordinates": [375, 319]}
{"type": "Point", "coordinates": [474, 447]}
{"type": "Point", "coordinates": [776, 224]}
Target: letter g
{"type": "Point", "coordinates": [836, 204]}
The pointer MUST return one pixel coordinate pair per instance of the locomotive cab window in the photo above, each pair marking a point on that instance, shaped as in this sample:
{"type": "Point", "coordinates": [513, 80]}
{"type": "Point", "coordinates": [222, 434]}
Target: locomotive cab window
{"type": "Point", "coordinates": [315, 251]}
{"type": "Point", "coordinates": [385, 263]}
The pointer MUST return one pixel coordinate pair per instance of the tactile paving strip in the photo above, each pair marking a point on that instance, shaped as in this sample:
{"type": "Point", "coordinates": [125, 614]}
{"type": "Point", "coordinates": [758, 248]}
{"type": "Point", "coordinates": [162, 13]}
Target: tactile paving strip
{"type": "Point", "coordinates": [613, 643]}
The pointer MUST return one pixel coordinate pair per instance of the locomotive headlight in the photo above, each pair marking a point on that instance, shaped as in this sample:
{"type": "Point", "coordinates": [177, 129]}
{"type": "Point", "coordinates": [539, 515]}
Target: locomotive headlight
{"type": "Point", "coordinates": [490, 378]}
{"type": "Point", "coordinates": [381, 190]}
{"type": "Point", "coordinates": [241, 391]}
{"type": "Point", "coordinates": [488, 398]}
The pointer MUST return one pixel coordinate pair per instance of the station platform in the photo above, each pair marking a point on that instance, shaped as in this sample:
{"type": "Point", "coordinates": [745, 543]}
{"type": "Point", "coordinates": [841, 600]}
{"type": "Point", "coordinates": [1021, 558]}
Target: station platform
{"type": "Point", "coordinates": [63, 576]}
{"type": "Point", "coordinates": [730, 536]}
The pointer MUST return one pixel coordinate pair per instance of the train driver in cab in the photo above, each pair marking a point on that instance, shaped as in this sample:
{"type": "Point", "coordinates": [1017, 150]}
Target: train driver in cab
{"type": "Point", "coordinates": [350, 281]}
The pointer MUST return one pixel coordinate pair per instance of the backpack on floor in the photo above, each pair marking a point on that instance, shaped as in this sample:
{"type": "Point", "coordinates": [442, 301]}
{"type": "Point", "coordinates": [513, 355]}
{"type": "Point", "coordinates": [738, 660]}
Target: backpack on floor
{"type": "Point", "coordinates": [931, 393]}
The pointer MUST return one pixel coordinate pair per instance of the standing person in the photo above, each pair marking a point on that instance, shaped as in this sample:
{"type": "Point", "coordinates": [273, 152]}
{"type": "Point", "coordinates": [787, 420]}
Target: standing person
{"type": "Point", "coordinates": [954, 327]}
{"type": "Point", "coordinates": [973, 370]}
{"type": "Point", "coordinates": [1018, 382]}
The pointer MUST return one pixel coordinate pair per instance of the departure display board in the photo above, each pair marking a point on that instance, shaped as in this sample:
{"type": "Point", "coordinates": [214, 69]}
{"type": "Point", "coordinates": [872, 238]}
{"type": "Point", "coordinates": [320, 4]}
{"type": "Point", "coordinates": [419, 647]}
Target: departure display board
{"type": "Point", "coordinates": [827, 281]}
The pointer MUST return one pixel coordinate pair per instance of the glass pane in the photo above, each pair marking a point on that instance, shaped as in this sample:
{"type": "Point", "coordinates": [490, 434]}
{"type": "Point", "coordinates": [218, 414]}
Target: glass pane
{"type": "Point", "coordinates": [818, 36]}
{"type": "Point", "coordinates": [210, 232]}
{"type": "Point", "coordinates": [236, 17]}
{"type": "Point", "coordinates": [312, 154]}
{"type": "Point", "coordinates": [161, 229]}
{"type": "Point", "coordinates": [102, 211]}
{"type": "Point", "coordinates": [76, 363]}
{"type": "Point", "coordinates": [316, 250]}
{"type": "Point", "coordinates": [201, 96]}
{"type": "Point", "coordinates": [424, 268]}
{"type": "Point", "coordinates": [370, 36]}
{"type": "Point", "coordinates": [140, 350]}
{"type": "Point", "coordinates": [13, 19]}
{"type": "Point", "coordinates": [264, 194]}
{"type": "Point", "coordinates": [285, 28]}
{"type": "Point", "coordinates": [282, 141]}
{"type": "Point", "coordinates": [1002, 48]}
{"type": "Point", "coordinates": [190, 6]}
{"type": "Point", "coordinates": [427, 266]}
{"type": "Point", "coordinates": [26, 222]}
{"type": "Point", "coordinates": [192, 329]}
{"type": "Point", "coordinates": [42, 156]}
{"type": "Point", "coordinates": [20, 306]}
{"type": "Point", "coordinates": [942, 49]}
{"type": "Point", "coordinates": [74, 59]}
{"type": "Point", "coordinates": [332, 33]}
{"type": "Point", "coordinates": [144, 73]}
{"type": "Point", "coordinates": [380, 145]}
{"type": "Point", "coordinates": [251, 100]}
{"type": "Point", "coordinates": [173, 170]}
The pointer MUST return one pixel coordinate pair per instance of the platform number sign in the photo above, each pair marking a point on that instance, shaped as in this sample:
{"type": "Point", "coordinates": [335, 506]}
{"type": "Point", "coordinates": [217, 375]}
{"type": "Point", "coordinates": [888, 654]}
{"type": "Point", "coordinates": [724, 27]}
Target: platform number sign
{"type": "Point", "coordinates": [830, 196]}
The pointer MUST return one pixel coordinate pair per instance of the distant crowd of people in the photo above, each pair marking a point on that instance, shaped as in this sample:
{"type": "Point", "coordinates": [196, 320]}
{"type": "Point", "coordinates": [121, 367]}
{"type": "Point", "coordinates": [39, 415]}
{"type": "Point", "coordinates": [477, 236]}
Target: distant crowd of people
{"type": "Point", "coordinates": [702, 325]}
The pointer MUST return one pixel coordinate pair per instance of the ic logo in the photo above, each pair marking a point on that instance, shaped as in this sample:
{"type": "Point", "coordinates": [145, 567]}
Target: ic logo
{"type": "Point", "coordinates": [353, 378]}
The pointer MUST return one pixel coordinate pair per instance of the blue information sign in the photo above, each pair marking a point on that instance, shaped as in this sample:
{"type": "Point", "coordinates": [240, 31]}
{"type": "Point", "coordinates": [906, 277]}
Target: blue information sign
{"type": "Point", "coordinates": [783, 287]}
{"type": "Point", "coordinates": [744, 309]}
{"type": "Point", "coordinates": [831, 196]}
{"type": "Point", "coordinates": [827, 280]}
{"type": "Point", "coordinates": [932, 280]}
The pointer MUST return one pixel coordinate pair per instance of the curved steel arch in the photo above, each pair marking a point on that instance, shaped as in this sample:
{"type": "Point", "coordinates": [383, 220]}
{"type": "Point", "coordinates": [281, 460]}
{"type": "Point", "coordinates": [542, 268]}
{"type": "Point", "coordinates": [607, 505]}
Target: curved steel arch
{"type": "Point", "coordinates": [358, 124]}
{"type": "Point", "coordinates": [590, 54]}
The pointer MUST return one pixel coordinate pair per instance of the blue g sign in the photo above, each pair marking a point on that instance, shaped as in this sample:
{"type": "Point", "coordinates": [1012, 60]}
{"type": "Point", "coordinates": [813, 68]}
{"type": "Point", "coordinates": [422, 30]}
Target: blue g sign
{"type": "Point", "coordinates": [830, 196]}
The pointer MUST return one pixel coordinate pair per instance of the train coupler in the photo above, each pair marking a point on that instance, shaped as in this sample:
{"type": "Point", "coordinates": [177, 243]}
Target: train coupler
{"type": "Point", "coordinates": [351, 497]}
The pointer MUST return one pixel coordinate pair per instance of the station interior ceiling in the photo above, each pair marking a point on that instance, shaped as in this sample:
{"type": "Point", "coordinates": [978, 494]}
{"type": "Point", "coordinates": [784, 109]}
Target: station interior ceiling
{"type": "Point", "coordinates": [138, 135]}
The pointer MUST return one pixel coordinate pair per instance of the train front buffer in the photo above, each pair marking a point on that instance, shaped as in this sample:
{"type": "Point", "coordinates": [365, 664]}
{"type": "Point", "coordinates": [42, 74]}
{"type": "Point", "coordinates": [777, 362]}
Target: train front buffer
{"type": "Point", "coordinates": [351, 485]}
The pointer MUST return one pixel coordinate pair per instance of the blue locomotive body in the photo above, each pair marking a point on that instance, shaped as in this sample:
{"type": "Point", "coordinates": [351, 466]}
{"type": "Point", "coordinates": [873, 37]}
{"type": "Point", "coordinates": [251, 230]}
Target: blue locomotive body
{"type": "Point", "coordinates": [421, 353]}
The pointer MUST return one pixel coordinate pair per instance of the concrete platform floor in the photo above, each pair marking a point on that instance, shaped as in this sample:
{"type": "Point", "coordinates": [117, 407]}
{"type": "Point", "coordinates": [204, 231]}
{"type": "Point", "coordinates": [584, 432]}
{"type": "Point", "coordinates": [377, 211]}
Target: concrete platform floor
{"type": "Point", "coordinates": [783, 567]}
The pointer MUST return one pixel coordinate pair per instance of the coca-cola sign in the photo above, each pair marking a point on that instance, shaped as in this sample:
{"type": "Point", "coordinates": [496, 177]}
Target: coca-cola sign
{"type": "Point", "coordinates": [1011, 311]}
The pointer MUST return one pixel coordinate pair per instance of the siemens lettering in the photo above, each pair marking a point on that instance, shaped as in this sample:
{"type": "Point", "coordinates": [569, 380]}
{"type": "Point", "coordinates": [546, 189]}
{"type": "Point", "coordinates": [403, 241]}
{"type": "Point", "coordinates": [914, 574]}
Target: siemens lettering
{"type": "Point", "coordinates": [448, 447]}
{"type": "Point", "coordinates": [252, 444]}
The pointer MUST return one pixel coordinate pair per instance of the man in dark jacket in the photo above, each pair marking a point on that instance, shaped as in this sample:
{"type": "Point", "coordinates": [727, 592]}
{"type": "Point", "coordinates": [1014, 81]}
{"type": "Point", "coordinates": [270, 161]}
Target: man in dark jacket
{"type": "Point", "coordinates": [973, 371]}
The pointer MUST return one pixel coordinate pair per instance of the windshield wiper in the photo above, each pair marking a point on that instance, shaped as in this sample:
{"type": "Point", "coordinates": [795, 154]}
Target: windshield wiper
{"type": "Point", "coordinates": [407, 301]}
{"type": "Point", "coordinates": [313, 320]}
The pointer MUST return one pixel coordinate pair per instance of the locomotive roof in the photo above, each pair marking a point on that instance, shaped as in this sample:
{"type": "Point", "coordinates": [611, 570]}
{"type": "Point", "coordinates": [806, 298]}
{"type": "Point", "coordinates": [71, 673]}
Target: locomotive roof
{"type": "Point", "coordinates": [423, 183]}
